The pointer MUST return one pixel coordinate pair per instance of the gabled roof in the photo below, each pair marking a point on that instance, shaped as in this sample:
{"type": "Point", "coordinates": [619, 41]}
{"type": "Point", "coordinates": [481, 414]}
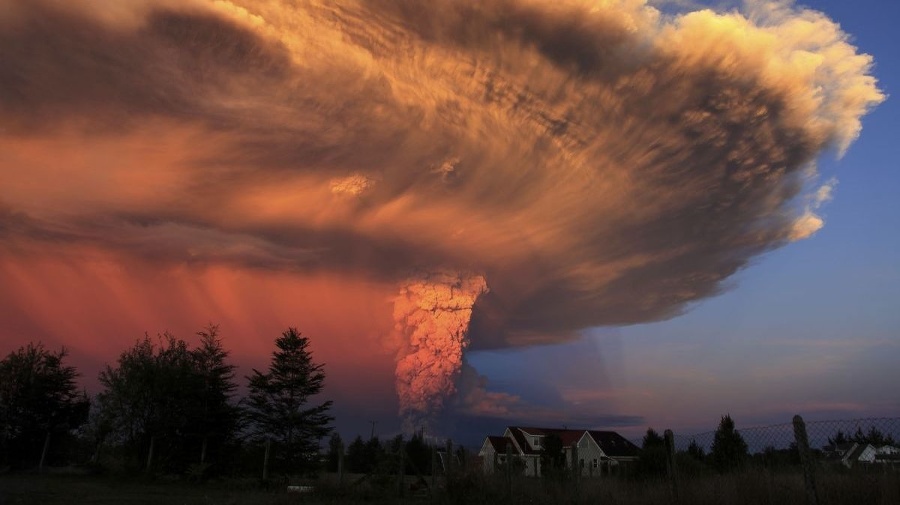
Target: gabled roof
{"type": "Point", "coordinates": [857, 452]}
{"type": "Point", "coordinates": [610, 442]}
{"type": "Point", "coordinates": [568, 437]}
{"type": "Point", "coordinates": [499, 444]}
{"type": "Point", "coordinates": [613, 444]}
{"type": "Point", "coordinates": [519, 437]}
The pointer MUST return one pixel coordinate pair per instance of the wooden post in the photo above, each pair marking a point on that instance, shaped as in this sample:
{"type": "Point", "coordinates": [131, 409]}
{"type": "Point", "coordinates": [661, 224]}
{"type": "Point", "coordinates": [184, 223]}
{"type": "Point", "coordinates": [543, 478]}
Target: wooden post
{"type": "Point", "coordinates": [341, 464]}
{"type": "Point", "coordinates": [670, 464]}
{"type": "Point", "coordinates": [401, 472]}
{"type": "Point", "coordinates": [150, 454]}
{"type": "Point", "coordinates": [44, 452]}
{"type": "Point", "coordinates": [266, 460]}
{"type": "Point", "coordinates": [448, 465]}
{"type": "Point", "coordinates": [809, 474]}
{"type": "Point", "coordinates": [433, 469]}
{"type": "Point", "coordinates": [576, 470]}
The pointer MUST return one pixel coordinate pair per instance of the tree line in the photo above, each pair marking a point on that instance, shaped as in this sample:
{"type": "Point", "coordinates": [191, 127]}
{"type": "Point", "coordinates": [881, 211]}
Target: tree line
{"type": "Point", "coordinates": [165, 406]}
{"type": "Point", "coordinates": [728, 453]}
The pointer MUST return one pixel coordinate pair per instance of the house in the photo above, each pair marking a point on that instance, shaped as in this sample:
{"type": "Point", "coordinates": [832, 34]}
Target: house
{"type": "Point", "coordinates": [598, 452]}
{"type": "Point", "coordinates": [888, 450]}
{"type": "Point", "coordinates": [851, 453]}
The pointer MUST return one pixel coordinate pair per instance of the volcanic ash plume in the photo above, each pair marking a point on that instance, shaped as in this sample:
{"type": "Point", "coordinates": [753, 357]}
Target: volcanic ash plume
{"type": "Point", "coordinates": [599, 162]}
{"type": "Point", "coordinates": [432, 315]}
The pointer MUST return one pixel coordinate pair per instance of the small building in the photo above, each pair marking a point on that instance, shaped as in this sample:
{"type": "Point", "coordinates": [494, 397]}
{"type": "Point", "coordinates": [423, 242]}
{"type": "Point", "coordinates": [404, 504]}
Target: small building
{"type": "Point", "coordinates": [888, 450]}
{"type": "Point", "coordinates": [598, 452]}
{"type": "Point", "coordinates": [851, 453]}
{"type": "Point", "coordinates": [604, 452]}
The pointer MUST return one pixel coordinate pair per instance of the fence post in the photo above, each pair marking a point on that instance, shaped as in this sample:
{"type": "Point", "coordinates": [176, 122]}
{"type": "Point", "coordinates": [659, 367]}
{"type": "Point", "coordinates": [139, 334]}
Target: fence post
{"type": "Point", "coordinates": [341, 464]}
{"type": "Point", "coordinates": [806, 459]}
{"type": "Point", "coordinates": [150, 454]}
{"type": "Point", "coordinates": [576, 470]}
{"type": "Point", "coordinates": [433, 471]}
{"type": "Point", "coordinates": [401, 472]}
{"type": "Point", "coordinates": [670, 464]}
{"type": "Point", "coordinates": [448, 464]}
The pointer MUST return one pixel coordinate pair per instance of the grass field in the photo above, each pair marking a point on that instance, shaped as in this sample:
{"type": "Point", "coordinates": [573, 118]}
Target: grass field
{"type": "Point", "coordinates": [751, 487]}
{"type": "Point", "coordinates": [89, 490]}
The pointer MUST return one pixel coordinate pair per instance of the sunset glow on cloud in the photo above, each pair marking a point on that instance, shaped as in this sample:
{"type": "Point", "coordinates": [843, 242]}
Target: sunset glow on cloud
{"type": "Point", "coordinates": [404, 180]}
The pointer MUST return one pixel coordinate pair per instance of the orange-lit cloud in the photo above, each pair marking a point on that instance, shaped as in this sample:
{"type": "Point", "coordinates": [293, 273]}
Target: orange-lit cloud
{"type": "Point", "coordinates": [97, 303]}
{"type": "Point", "coordinates": [593, 163]}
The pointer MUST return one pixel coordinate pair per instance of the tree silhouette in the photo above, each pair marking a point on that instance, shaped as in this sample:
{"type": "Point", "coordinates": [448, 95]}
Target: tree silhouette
{"type": "Point", "coordinates": [335, 451]}
{"type": "Point", "coordinates": [652, 461]}
{"type": "Point", "coordinates": [356, 456]}
{"type": "Point", "coordinates": [168, 405]}
{"type": "Point", "coordinates": [729, 451]}
{"type": "Point", "coordinates": [278, 404]}
{"type": "Point", "coordinates": [218, 416]}
{"type": "Point", "coordinates": [38, 397]}
{"type": "Point", "coordinates": [153, 396]}
{"type": "Point", "coordinates": [874, 436]}
{"type": "Point", "coordinates": [695, 451]}
{"type": "Point", "coordinates": [553, 458]}
{"type": "Point", "coordinates": [839, 438]}
{"type": "Point", "coordinates": [418, 455]}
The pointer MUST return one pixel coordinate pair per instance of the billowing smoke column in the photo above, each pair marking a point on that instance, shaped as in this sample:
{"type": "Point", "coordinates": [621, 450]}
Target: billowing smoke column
{"type": "Point", "coordinates": [595, 162]}
{"type": "Point", "coordinates": [432, 315]}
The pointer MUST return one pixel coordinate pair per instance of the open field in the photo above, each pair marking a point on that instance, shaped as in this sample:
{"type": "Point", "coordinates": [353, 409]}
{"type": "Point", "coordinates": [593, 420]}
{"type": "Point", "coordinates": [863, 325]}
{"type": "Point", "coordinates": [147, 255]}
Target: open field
{"type": "Point", "coordinates": [88, 490]}
{"type": "Point", "coordinates": [751, 487]}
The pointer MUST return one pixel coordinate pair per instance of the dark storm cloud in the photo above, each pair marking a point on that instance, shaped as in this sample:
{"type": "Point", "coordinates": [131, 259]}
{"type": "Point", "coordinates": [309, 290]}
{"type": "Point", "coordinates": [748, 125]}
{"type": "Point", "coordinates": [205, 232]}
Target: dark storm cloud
{"type": "Point", "coordinates": [594, 163]}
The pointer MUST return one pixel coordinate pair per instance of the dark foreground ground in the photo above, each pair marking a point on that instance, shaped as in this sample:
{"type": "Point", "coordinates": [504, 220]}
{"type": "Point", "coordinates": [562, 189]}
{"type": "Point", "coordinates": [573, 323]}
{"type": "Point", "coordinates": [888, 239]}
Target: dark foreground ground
{"type": "Point", "coordinates": [87, 490]}
{"type": "Point", "coordinates": [761, 487]}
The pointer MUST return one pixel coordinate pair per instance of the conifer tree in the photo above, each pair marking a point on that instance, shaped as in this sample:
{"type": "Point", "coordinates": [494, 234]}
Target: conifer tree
{"type": "Point", "coordinates": [653, 454]}
{"type": "Point", "coordinates": [218, 416]}
{"type": "Point", "coordinates": [279, 403]}
{"type": "Point", "coordinates": [729, 450]}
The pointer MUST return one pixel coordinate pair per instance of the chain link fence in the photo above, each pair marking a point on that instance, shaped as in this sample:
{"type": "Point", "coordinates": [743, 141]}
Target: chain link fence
{"type": "Point", "coordinates": [846, 441]}
{"type": "Point", "coordinates": [816, 462]}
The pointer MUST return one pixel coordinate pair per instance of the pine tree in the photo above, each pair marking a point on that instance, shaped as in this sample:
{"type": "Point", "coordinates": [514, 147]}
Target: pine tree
{"type": "Point", "coordinates": [335, 452]}
{"type": "Point", "coordinates": [729, 451]}
{"type": "Point", "coordinates": [356, 456]}
{"type": "Point", "coordinates": [218, 417]}
{"type": "Point", "coordinates": [653, 454]}
{"type": "Point", "coordinates": [418, 455]}
{"type": "Point", "coordinates": [695, 451]}
{"type": "Point", "coordinates": [278, 403]}
{"type": "Point", "coordinates": [839, 438]}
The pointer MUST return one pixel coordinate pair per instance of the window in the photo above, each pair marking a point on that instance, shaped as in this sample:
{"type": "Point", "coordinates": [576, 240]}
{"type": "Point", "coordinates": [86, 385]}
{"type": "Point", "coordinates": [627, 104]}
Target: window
{"type": "Point", "coordinates": [595, 463]}
{"type": "Point", "coordinates": [537, 441]}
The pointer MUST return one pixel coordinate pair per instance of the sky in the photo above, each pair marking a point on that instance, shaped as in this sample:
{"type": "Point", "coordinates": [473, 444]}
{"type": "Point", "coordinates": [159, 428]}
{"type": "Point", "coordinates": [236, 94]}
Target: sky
{"type": "Point", "coordinates": [589, 214]}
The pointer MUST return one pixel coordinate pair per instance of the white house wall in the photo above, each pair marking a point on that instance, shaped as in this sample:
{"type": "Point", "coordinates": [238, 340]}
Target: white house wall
{"type": "Point", "coordinates": [588, 450]}
{"type": "Point", "coordinates": [487, 454]}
